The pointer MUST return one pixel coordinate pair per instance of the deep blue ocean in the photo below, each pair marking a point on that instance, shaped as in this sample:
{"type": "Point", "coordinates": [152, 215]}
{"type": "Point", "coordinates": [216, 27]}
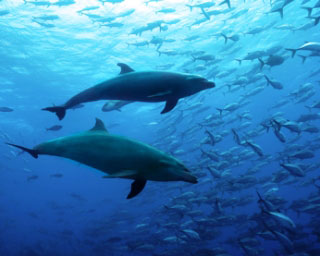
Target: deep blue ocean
{"type": "Point", "coordinates": [256, 133]}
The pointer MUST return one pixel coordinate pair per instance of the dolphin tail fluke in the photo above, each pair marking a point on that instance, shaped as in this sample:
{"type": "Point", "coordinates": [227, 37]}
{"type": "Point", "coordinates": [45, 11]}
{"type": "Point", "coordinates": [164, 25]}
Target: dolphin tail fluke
{"type": "Point", "coordinates": [293, 51]}
{"type": "Point", "coordinates": [60, 111]}
{"type": "Point", "coordinates": [136, 187]}
{"type": "Point", "coordinates": [261, 63]}
{"type": "Point", "coordinates": [32, 152]}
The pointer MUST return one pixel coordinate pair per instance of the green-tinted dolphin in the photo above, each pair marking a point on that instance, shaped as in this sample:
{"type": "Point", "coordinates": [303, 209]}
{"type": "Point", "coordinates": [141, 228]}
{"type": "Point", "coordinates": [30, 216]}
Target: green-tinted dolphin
{"type": "Point", "coordinates": [146, 86]}
{"type": "Point", "coordinates": [117, 156]}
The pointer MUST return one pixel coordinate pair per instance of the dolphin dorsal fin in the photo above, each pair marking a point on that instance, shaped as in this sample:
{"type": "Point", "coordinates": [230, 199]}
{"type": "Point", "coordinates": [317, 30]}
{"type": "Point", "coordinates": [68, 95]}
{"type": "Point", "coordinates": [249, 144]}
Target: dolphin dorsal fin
{"type": "Point", "coordinates": [124, 68]}
{"type": "Point", "coordinates": [99, 126]}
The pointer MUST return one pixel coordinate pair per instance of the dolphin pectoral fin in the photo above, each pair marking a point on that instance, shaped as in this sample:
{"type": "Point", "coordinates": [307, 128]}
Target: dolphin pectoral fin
{"type": "Point", "coordinates": [125, 68]}
{"type": "Point", "coordinates": [99, 126]}
{"type": "Point", "coordinates": [170, 104]}
{"type": "Point", "coordinates": [136, 187]}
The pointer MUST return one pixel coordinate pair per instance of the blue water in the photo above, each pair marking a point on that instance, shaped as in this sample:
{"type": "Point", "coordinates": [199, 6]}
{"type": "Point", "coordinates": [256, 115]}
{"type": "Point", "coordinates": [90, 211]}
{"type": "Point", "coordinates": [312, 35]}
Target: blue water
{"type": "Point", "coordinates": [49, 53]}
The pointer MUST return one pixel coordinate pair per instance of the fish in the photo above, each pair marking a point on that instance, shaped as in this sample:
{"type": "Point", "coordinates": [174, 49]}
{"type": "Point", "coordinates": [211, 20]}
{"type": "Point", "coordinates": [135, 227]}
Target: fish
{"type": "Point", "coordinates": [310, 46]}
{"type": "Point", "coordinates": [226, 2]}
{"type": "Point", "coordinates": [294, 169]}
{"type": "Point", "coordinates": [272, 61]}
{"type": "Point", "coordinates": [166, 10]}
{"type": "Point", "coordinates": [302, 154]}
{"type": "Point", "coordinates": [64, 3]}
{"type": "Point", "coordinates": [117, 156]}
{"type": "Point", "coordinates": [201, 6]}
{"type": "Point", "coordinates": [308, 117]}
{"type": "Point", "coordinates": [314, 105]}
{"type": "Point", "coordinates": [236, 137]}
{"type": "Point", "coordinates": [5, 109]}
{"type": "Point", "coordinates": [4, 12]}
{"type": "Point", "coordinates": [275, 84]}
{"type": "Point", "coordinates": [47, 17]}
{"type": "Point", "coordinates": [113, 25]}
{"type": "Point", "coordinates": [145, 86]}
{"type": "Point", "coordinates": [44, 24]}
{"type": "Point", "coordinates": [33, 177]}
{"type": "Point", "coordinates": [138, 44]}
{"type": "Point", "coordinates": [234, 38]}
{"type": "Point", "coordinates": [230, 107]}
{"type": "Point", "coordinates": [54, 128]}
{"type": "Point", "coordinates": [256, 148]}
{"type": "Point", "coordinates": [111, 1]}
{"type": "Point", "coordinates": [38, 3]}
{"type": "Point", "coordinates": [207, 57]}
{"type": "Point", "coordinates": [56, 175]}
{"type": "Point", "coordinates": [89, 8]}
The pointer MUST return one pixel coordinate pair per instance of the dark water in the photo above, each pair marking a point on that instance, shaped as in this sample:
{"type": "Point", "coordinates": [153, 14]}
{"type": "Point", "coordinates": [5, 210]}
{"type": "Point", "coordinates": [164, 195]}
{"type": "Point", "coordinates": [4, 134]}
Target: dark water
{"type": "Point", "coordinates": [52, 50]}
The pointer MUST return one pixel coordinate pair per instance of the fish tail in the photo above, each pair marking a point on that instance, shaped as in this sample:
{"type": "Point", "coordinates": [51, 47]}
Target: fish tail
{"type": "Point", "coordinates": [225, 38]}
{"type": "Point", "coordinates": [303, 58]}
{"type": "Point", "coordinates": [281, 12]}
{"type": "Point", "coordinates": [59, 111]}
{"type": "Point", "coordinates": [292, 50]}
{"type": "Point", "coordinates": [267, 78]}
{"type": "Point", "coordinates": [309, 10]}
{"type": "Point", "coordinates": [226, 2]}
{"type": "Point", "coordinates": [261, 63]}
{"type": "Point", "coordinates": [308, 107]}
{"type": "Point", "coordinates": [316, 20]}
{"type": "Point", "coordinates": [205, 14]}
{"type": "Point", "coordinates": [32, 152]}
{"type": "Point", "coordinates": [190, 6]}
{"type": "Point", "coordinates": [239, 60]}
{"type": "Point", "coordinates": [220, 110]}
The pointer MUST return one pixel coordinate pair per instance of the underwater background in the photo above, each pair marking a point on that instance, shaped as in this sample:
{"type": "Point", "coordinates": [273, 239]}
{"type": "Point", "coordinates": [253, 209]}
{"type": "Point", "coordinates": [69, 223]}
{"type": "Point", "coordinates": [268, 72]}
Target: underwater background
{"type": "Point", "coordinates": [253, 140]}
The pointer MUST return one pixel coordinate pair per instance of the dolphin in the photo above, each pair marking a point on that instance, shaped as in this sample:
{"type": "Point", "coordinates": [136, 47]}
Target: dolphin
{"type": "Point", "coordinates": [117, 156]}
{"type": "Point", "coordinates": [145, 86]}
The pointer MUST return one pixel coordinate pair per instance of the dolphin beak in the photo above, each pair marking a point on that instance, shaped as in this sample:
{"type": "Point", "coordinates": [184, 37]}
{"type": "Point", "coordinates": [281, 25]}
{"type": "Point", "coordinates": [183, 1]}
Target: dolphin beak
{"type": "Point", "coordinates": [210, 84]}
{"type": "Point", "coordinates": [188, 177]}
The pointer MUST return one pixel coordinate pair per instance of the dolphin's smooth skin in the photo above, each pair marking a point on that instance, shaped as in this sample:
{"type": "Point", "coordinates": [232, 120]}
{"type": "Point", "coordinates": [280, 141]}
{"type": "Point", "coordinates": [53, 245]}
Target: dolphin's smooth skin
{"type": "Point", "coordinates": [145, 86]}
{"type": "Point", "coordinates": [119, 157]}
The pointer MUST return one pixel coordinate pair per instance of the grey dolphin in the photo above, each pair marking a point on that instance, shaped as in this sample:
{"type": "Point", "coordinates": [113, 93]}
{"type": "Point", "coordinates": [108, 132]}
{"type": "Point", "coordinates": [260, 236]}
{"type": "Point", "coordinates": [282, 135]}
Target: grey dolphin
{"type": "Point", "coordinates": [117, 156]}
{"type": "Point", "coordinates": [145, 86]}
